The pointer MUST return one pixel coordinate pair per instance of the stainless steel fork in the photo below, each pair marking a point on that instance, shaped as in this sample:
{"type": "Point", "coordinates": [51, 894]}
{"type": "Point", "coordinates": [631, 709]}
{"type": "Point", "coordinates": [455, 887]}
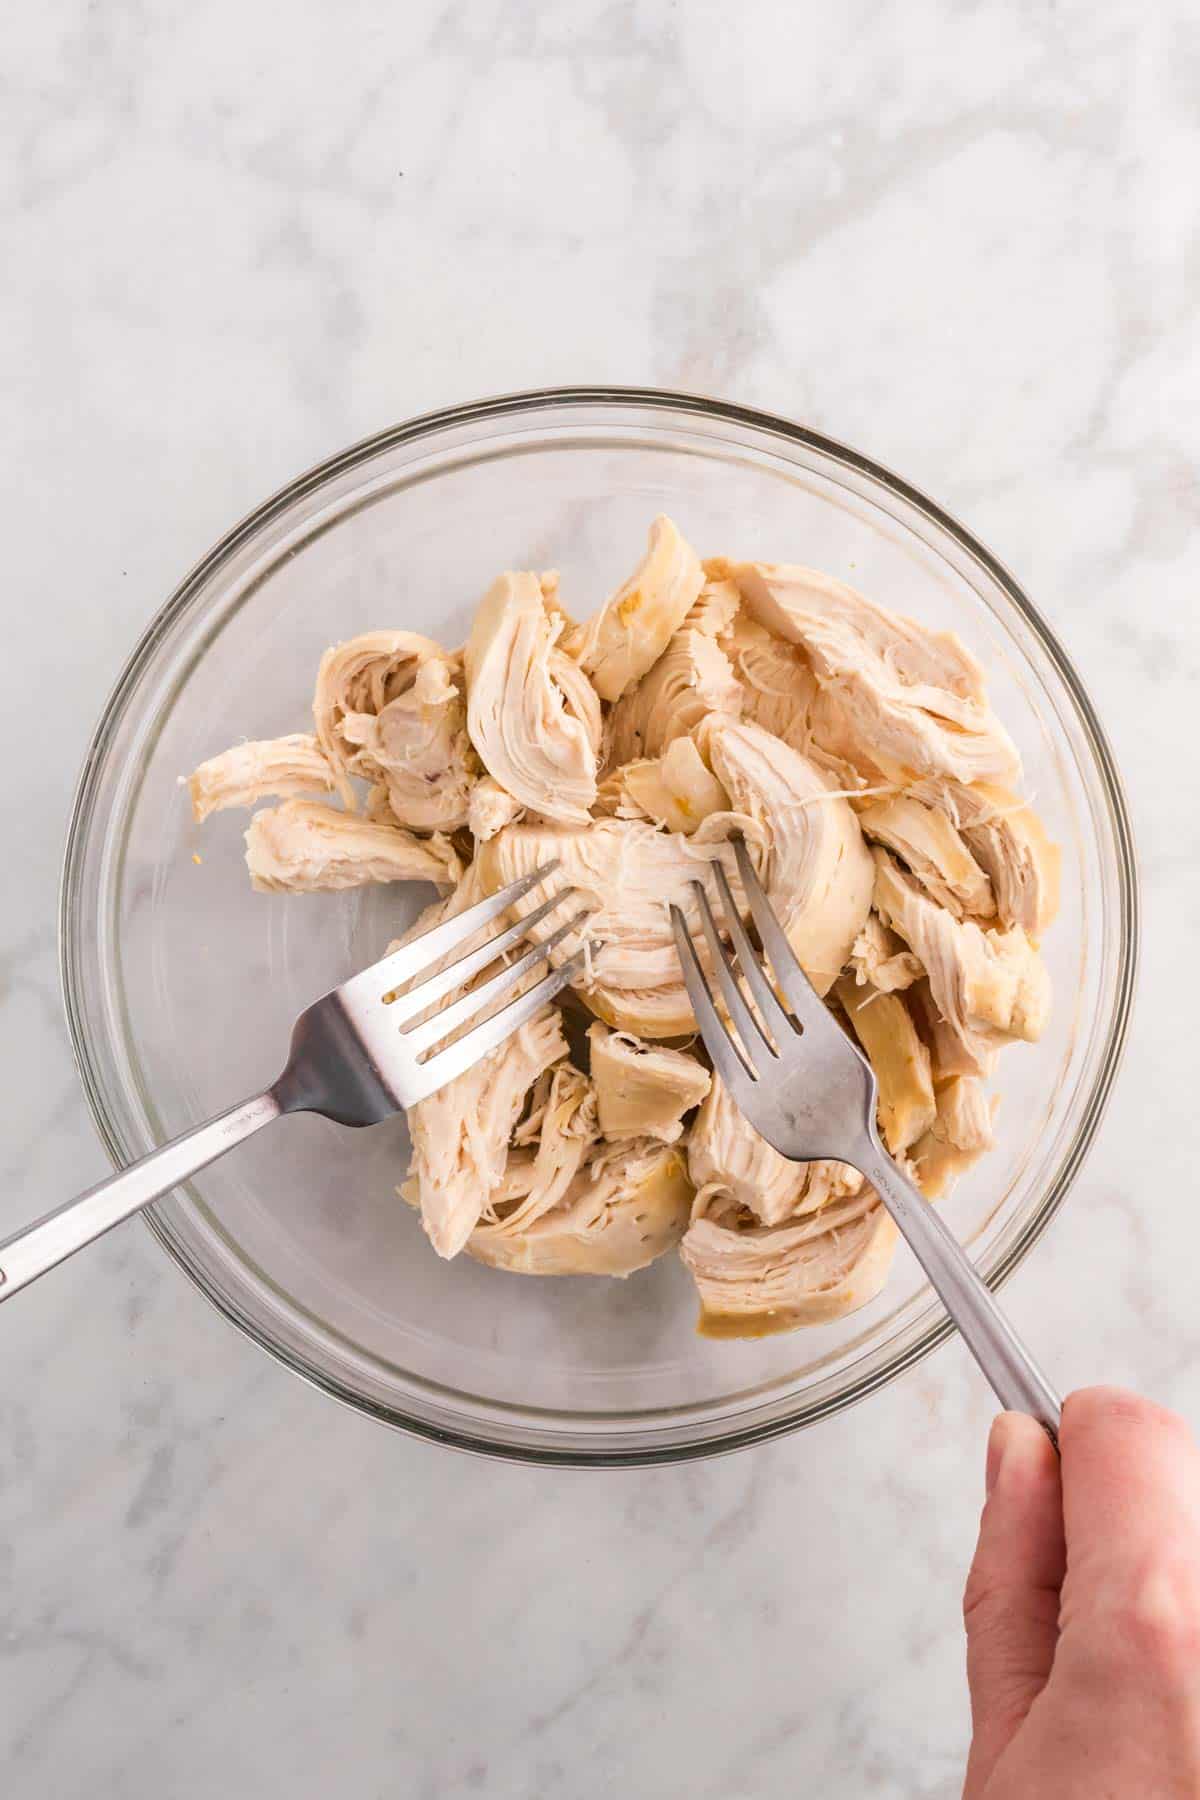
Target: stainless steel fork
{"type": "Point", "coordinates": [811, 1093]}
{"type": "Point", "coordinates": [358, 1055]}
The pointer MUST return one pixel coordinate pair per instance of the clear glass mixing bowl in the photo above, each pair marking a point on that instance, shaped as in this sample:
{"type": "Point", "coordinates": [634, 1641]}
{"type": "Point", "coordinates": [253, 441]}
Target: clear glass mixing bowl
{"type": "Point", "coordinates": [181, 984]}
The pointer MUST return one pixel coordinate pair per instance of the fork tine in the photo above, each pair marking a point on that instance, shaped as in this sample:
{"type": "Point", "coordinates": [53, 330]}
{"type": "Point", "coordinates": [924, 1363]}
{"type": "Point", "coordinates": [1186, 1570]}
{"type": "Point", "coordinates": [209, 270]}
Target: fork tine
{"type": "Point", "coordinates": [748, 1028]}
{"type": "Point", "coordinates": [427, 1077]}
{"type": "Point", "coordinates": [418, 998]}
{"type": "Point", "coordinates": [419, 1038]}
{"type": "Point", "coordinates": [411, 958]}
{"type": "Point", "coordinates": [790, 975]}
{"type": "Point", "coordinates": [777, 1017]}
{"type": "Point", "coordinates": [727, 1058]}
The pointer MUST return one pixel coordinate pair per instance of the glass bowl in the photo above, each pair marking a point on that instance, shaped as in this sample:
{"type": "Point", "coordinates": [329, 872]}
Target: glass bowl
{"type": "Point", "coordinates": [181, 983]}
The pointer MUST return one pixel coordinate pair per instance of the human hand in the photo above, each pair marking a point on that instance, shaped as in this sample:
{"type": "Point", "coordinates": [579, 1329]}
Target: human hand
{"type": "Point", "coordinates": [1082, 1608]}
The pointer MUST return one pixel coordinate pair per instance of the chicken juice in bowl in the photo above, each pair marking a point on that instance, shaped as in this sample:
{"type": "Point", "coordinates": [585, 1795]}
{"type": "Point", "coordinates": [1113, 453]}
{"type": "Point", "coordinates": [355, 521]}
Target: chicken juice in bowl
{"type": "Point", "coordinates": [688, 741]}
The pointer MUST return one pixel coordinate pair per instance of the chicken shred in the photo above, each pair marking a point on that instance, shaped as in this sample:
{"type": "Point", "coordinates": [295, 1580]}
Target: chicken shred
{"type": "Point", "coordinates": [893, 698]}
{"type": "Point", "coordinates": [628, 1204]}
{"type": "Point", "coordinates": [856, 754]}
{"type": "Point", "coordinates": [960, 1134]}
{"type": "Point", "coordinates": [533, 717]}
{"type": "Point", "coordinates": [303, 847]}
{"type": "Point", "coordinates": [460, 1135]}
{"type": "Point", "coordinates": [356, 681]}
{"type": "Point", "coordinates": [754, 1280]}
{"type": "Point", "coordinates": [817, 872]}
{"type": "Point", "coordinates": [630, 632]}
{"type": "Point", "coordinates": [282, 768]}
{"type": "Point", "coordinates": [990, 984]}
{"type": "Point", "coordinates": [676, 789]}
{"type": "Point", "coordinates": [643, 1090]}
{"type": "Point", "coordinates": [692, 678]}
{"type": "Point", "coordinates": [879, 959]}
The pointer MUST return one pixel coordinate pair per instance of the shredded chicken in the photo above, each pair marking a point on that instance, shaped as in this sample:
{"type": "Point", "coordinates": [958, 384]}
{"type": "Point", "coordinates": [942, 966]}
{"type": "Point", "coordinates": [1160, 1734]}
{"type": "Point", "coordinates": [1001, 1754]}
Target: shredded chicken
{"type": "Point", "coordinates": [754, 1280]}
{"type": "Point", "coordinates": [727, 1155]}
{"type": "Point", "coordinates": [302, 846]}
{"type": "Point", "coordinates": [643, 1090]}
{"type": "Point", "coordinates": [270, 769]}
{"type": "Point", "coordinates": [356, 681]}
{"type": "Point", "coordinates": [817, 870]}
{"type": "Point", "coordinates": [629, 874]}
{"type": "Point", "coordinates": [777, 682]}
{"type": "Point", "coordinates": [931, 848]}
{"type": "Point", "coordinates": [676, 789]}
{"type": "Point", "coordinates": [630, 632]}
{"type": "Point", "coordinates": [416, 748]}
{"type": "Point", "coordinates": [856, 755]}
{"type": "Point", "coordinates": [884, 1027]}
{"type": "Point", "coordinates": [959, 1135]}
{"type": "Point", "coordinates": [628, 1205]}
{"type": "Point", "coordinates": [953, 1049]}
{"type": "Point", "coordinates": [533, 717]}
{"type": "Point", "coordinates": [691, 679]}
{"type": "Point", "coordinates": [460, 1135]}
{"type": "Point", "coordinates": [895, 699]}
{"type": "Point", "coordinates": [879, 959]}
{"type": "Point", "coordinates": [566, 1128]}
{"type": "Point", "coordinates": [716, 606]}
{"type": "Point", "coordinates": [982, 981]}
{"type": "Point", "coordinates": [1009, 842]}
{"type": "Point", "coordinates": [491, 809]}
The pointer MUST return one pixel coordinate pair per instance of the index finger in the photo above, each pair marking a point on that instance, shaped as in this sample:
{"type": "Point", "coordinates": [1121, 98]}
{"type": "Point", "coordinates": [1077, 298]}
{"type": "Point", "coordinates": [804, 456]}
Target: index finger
{"type": "Point", "coordinates": [1131, 1484]}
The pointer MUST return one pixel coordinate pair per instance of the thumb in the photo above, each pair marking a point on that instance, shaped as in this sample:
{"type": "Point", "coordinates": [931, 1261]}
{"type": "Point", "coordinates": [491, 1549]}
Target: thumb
{"type": "Point", "coordinates": [1011, 1602]}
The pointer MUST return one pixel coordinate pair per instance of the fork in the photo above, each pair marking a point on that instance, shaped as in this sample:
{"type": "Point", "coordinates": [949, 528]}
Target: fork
{"type": "Point", "coordinates": [358, 1055]}
{"type": "Point", "coordinates": [811, 1093]}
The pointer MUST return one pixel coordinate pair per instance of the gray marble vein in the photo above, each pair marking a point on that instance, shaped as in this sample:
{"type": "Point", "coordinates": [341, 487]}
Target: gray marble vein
{"type": "Point", "coordinates": [963, 237]}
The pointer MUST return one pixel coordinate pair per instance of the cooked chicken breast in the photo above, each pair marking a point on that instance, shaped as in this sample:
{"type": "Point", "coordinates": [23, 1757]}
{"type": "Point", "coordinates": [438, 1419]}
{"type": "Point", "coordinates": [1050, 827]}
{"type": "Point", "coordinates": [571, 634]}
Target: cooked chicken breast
{"type": "Point", "coordinates": [960, 1134]}
{"type": "Point", "coordinates": [416, 748]}
{"type": "Point", "coordinates": [460, 1135]}
{"type": "Point", "coordinates": [280, 768]}
{"type": "Point", "coordinates": [857, 756]}
{"type": "Point", "coordinates": [629, 873]}
{"type": "Point", "coordinates": [302, 847]}
{"type": "Point", "coordinates": [627, 1205]}
{"type": "Point", "coordinates": [817, 871]}
{"type": "Point", "coordinates": [884, 1027]}
{"type": "Point", "coordinates": [356, 681]}
{"type": "Point", "coordinates": [932, 849]}
{"type": "Point", "coordinates": [983, 982]}
{"type": "Point", "coordinates": [716, 606]}
{"type": "Point", "coordinates": [879, 959]}
{"type": "Point", "coordinates": [732, 1167]}
{"type": "Point", "coordinates": [691, 679]}
{"type": "Point", "coordinates": [631, 630]}
{"type": "Point", "coordinates": [560, 1128]}
{"type": "Point", "coordinates": [896, 700]}
{"type": "Point", "coordinates": [1010, 843]}
{"type": "Point", "coordinates": [532, 716]}
{"type": "Point", "coordinates": [677, 789]}
{"type": "Point", "coordinates": [777, 681]}
{"type": "Point", "coordinates": [491, 808]}
{"type": "Point", "coordinates": [643, 1090]}
{"type": "Point", "coordinates": [953, 1050]}
{"type": "Point", "coordinates": [726, 1155]}
{"type": "Point", "coordinates": [760, 1279]}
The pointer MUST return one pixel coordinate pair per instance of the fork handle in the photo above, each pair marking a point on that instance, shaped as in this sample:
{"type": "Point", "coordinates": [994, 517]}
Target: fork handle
{"type": "Point", "coordinates": [1019, 1384]}
{"type": "Point", "coordinates": [29, 1253]}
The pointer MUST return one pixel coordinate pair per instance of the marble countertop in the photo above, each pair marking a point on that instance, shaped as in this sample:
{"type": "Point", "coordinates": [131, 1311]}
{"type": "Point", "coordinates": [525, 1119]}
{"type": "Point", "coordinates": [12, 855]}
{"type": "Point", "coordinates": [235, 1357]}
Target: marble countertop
{"type": "Point", "coordinates": [958, 237]}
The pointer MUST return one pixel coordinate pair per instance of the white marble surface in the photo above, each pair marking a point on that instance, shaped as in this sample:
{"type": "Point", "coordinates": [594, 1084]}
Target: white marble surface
{"type": "Point", "coordinates": [239, 236]}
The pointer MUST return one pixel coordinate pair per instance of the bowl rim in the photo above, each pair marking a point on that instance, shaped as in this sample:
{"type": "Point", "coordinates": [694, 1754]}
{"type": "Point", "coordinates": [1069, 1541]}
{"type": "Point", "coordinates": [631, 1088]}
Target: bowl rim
{"type": "Point", "coordinates": [722, 1439]}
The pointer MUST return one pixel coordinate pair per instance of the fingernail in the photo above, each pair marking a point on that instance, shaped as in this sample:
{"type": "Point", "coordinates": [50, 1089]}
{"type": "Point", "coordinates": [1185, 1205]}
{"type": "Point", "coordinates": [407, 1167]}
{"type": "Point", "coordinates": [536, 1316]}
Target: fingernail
{"type": "Point", "coordinates": [998, 1440]}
